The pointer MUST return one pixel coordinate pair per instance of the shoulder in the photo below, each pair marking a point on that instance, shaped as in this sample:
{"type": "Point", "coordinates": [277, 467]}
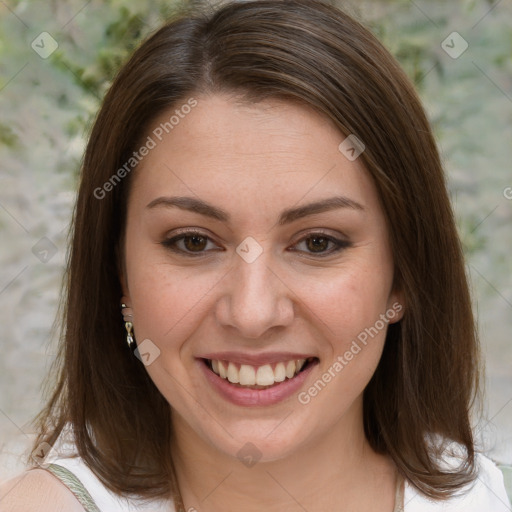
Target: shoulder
{"type": "Point", "coordinates": [487, 492]}
{"type": "Point", "coordinates": [488, 472]}
{"type": "Point", "coordinates": [492, 486]}
{"type": "Point", "coordinates": [37, 490]}
{"type": "Point", "coordinates": [82, 481]}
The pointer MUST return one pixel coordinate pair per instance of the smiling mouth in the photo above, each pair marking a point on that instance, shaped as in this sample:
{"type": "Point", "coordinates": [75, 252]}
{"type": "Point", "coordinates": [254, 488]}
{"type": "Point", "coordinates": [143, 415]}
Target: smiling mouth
{"type": "Point", "coordinates": [259, 377]}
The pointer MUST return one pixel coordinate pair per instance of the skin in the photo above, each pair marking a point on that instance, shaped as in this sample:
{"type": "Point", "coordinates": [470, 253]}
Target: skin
{"type": "Point", "coordinates": [37, 490]}
{"type": "Point", "coordinates": [255, 160]}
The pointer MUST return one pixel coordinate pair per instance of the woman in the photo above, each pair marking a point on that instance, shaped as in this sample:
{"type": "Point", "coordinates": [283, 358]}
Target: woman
{"type": "Point", "coordinates": [266, 300]}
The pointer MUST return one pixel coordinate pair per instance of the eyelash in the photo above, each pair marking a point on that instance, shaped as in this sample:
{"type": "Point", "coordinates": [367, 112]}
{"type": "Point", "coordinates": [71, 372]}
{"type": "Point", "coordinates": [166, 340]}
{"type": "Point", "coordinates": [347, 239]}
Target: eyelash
{"type": "Point", "coordinates": [171, 243]}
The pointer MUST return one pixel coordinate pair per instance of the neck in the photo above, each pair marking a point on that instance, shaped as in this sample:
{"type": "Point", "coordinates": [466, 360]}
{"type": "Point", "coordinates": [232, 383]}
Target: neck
{"type": "Point", "coordinates": [338, 471]}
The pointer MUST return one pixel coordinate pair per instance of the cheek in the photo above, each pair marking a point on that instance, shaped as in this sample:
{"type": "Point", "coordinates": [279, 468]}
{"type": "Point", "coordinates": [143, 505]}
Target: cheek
{"type": "Point", "coordinates": [168, 306]}
{"type": "Point", "coordinates": [165, 300]}
{"type": "Point", "coordinates": [351, 310]}
{"type": "Point", "coordinates": [348, 302]}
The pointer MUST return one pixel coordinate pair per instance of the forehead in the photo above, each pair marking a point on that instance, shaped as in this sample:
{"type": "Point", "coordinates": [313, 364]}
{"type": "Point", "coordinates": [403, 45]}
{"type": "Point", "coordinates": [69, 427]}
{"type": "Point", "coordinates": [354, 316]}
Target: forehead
{"type": "Point", "coordinates": [266, 152]}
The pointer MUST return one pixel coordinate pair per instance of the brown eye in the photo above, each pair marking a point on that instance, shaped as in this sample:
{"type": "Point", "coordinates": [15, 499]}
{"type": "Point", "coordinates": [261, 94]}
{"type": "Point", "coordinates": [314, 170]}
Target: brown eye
{"type": "Point", "coordinates": [317, 243]}
{"type": "Point", "coordinates": [322, 245]}
{"type": "Point", "coordinates": [188, 243]}
{"type": "Point", "coordinates": [195, 242]}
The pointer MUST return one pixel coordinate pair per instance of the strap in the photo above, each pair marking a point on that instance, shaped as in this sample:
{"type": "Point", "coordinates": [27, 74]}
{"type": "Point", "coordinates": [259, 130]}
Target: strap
{"type": "Point", "coordinates": [399, 494]}
{"type": "Point", "coordinates": [75, 486]}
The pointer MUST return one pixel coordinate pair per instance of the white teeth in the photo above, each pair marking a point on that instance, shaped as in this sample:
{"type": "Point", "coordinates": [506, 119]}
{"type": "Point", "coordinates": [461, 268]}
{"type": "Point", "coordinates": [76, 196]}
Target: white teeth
{"type": "Point", "coordinates": [279, 372]}
{"type": "Point", "coordinates": [247, 375]}
{"type": "Point", "coordinates": [222, 370]}
{"type": "Point", "coordinates": [290, 369]}
{"type": "Point", "coordinates": [233, 374]}
{"type": "Point", "coordinates": [264, 375]}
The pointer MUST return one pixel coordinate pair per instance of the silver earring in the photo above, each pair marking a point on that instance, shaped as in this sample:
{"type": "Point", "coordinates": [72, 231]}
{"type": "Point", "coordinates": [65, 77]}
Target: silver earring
{"type": "Point", "coordinates": [128, 324]}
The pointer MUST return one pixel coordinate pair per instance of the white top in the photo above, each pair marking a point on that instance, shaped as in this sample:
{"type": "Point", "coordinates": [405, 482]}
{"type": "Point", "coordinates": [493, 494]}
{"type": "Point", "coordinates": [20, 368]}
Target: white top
{"type": "Point", "coordinates": [486, 494]}
{"type": "Point", "coordinates": [105, 499]}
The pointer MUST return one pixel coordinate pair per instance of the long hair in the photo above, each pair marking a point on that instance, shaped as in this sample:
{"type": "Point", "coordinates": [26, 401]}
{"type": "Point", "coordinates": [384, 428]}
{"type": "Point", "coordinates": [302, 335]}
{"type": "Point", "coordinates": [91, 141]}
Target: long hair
{"type": "Point", "coordinates": [302, 51]}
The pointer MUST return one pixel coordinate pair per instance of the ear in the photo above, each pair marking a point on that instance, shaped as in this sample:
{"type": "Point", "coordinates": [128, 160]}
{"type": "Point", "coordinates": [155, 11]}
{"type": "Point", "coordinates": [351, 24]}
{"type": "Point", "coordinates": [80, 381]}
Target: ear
{"type": "Point", "coordinates": [121, 273]}
{"type": "Point", "coordinates": [125, 299]}
{"type": "Point", "coordinates": [124, 286]}
{"type": "Point", "coordinates": [396, 304]}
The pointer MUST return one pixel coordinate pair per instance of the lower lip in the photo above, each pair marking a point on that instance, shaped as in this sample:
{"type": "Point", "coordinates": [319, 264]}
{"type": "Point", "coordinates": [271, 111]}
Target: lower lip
{"type": "Point", "coordinates": [255, 397]}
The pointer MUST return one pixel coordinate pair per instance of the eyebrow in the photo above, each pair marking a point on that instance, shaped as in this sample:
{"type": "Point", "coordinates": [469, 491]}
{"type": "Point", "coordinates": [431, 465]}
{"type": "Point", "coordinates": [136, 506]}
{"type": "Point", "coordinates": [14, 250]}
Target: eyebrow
{"type": "Point", "coordinates": [287, 216]}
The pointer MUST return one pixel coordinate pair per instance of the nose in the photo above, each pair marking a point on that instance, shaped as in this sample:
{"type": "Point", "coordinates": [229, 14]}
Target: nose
{"type": "Point", "coordinates": [255, 298]}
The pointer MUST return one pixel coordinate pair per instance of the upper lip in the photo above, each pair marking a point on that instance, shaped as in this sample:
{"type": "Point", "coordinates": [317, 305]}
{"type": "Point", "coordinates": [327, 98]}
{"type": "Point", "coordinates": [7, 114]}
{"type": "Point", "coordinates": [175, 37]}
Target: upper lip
{"type": "Point", "coordinates": [255, 359]}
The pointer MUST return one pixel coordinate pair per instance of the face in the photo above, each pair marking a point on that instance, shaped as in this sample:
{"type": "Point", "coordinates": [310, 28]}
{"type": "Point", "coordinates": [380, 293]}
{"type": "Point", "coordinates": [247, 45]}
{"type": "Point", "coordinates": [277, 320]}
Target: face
{"type": "Point", "coordinates": [259, 271]}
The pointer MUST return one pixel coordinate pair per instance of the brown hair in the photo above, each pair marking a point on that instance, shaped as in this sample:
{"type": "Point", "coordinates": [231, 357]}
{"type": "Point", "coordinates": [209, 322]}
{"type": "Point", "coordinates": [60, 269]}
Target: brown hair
{"type": "Point", "coordinates": [309, 52]}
